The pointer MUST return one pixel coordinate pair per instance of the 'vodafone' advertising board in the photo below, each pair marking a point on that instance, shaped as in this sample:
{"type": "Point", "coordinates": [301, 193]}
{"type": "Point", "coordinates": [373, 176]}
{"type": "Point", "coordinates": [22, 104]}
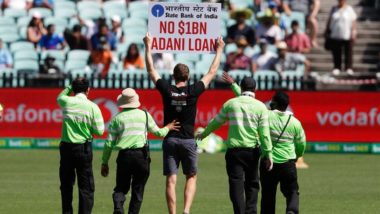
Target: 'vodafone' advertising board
{"type": "Point", "coordinates": [326, 116]}
{"type": "Point", "coordinates": [184, 27]}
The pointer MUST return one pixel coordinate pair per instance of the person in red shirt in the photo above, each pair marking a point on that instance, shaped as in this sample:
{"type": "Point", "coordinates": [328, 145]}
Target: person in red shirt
{"type": "Point", "coordinates": [102, 58]}
{"type": "Point", "coordinates": [297, 41]}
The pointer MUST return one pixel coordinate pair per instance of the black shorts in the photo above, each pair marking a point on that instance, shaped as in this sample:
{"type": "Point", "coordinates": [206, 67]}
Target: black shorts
{"type": "Point", "coordinates": [177, 150]}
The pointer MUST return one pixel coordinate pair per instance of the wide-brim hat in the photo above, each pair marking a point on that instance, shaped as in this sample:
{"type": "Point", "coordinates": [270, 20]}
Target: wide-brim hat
{"type": "Point", "coordinates": [128, 99]}
{"type": "Point", "coordinates": [267, 14]}
{"type": "Point", "coordinates": [246, 13]}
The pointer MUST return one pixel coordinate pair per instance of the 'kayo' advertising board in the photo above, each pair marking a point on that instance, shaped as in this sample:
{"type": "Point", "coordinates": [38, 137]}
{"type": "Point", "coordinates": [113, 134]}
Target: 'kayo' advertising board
{"type": "Point", "coordinates": [184, 27]}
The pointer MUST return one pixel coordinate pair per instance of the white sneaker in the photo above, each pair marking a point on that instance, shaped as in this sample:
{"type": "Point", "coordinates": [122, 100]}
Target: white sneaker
{"type": "Point", "coordinates": [350, 71]}
{"type": "Point", "coordinates": [336, 71]}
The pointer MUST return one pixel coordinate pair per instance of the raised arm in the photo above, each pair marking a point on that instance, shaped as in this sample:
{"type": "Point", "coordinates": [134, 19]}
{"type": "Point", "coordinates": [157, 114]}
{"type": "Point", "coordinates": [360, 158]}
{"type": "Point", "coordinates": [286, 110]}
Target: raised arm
{"type": "Point", "coordinates": [149, 60]}
{"type": "Point", "coordinates": [234, 86]}
{"type": "Point", "coordinates": [215, 63]}
{"type": "Point", "coordinates": [62, 97]}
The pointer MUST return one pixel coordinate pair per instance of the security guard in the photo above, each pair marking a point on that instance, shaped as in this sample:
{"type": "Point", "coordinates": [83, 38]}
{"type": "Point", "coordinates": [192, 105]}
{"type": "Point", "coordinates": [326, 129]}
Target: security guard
{"type": "Point", "coordinates": [288, 139]}
{"type": "Point", "coordinates": [248, 129]}
{"type": "Point", "coordinates": [81, 119]}
{"type": "Point", "coordinates": [289, 144]}
{"type": "Point", "coordinates": [128, 133]}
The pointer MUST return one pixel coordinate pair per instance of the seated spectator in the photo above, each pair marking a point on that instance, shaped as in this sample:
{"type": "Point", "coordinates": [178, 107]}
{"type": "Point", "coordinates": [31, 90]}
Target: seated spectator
{"type": "Point", "coordinates": [76, 40]}
{"type": "Point", "coordinates": [44, 3]}
{"type": "Point", "coordinates": [49, 67]}
{"type": "Point", "coordinates": [273, 6]}
{"type": "Point", "coordinates": [288, 61]}
{"type": "Point", "coordinates": [310, 9]}
{"type": "Point", "coordinates": [35, 29]}
{"type": "Point", "coordinates": [101, 58]}
{"type": "Point", "coordinates": [90, 26]}
{"type": "Point", "coordinates": [116, 28]}
{"type": "Point", "coordinates": [6, 60]}
{"type": "Point", "coordinates": [133, 59]}
{"type": "Point", "coordinates": [52, 41]}
{"type": "Point", "coordinates": [264, 59]}
{"type": "Point", "coordinates": [268, 28]}
{"type": "Point", "coordinates": [18, 4]}
{"type": "Point", "coordinates": [241, 28]}
{"type": "Point", "coordinates": [238, 60]}
{"type": "Point", "coordinates": [103, 33]}
{"type": "Point", "coordinates": [163, 61]}
{"type": "Point", "coordinates": [297, 41]}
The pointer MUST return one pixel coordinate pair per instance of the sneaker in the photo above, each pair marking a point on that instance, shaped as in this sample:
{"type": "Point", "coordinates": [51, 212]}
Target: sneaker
{"type": "Point", "coordinates": [336, 71]}
{"type": "Point", "coordinates": [350, 71]}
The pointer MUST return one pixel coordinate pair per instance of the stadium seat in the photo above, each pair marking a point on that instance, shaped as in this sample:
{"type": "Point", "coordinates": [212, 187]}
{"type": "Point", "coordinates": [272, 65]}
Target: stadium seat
{"type": "Point", "coordinates": [23, 32]}
{"type": "Point", "coordinates": [229, 48]}
{"type": "Point", "coordinates": [26, 66]}
{"type": "Point", "coordinates": [241, 4]}
{"type": "Point", "coordinates": [57, 21]}
{"type": "Point", "coordinates": [26, 55]}
{"type": "Point", "coordinates": [121, 12]}
{"type": "Point", "coordinates": [237, 74]}
{"type": "Point", "coordinates": [23, 21]}
{"type": "Point", "coordinates": [65, 12]}
{"type": "Point", "coordinates": [5, 29]}
{"type": "Point", "coordinates": [7, 21]}
{"type": "Point", "coordinates": [43, 11]}
{"type": "Point", "coordinates": [81, 55]}
{"type": "Point", "coordinates": [81, 72]}
{"type": "Point", "coordinates": [64, 4]}
{"type": "Point", "coordinates": [14, 13]}
{"type": "Point", "coordinates": [300, 17]}
{"type": "Point", "coordinates": [134, 22]}
{"type": "Point", "coordinates": [10, 37]}
{"type": "Point", "coordinates": [291, 75]}
{"type": "Point", "coordinates": [88, 5]}
{"type": "Point", "coordinates": [57, 54]}
{"type": "Point", "coordinates": [74, 64]}
{"type": "Point", "coordinates": [90, 14]}
{"type": "Point", "coordinates": [138, 6]}
{"type": "Point", "coordinates": [135, 31]}
{"type": "Point", "coordinates": [18, 46]}
{"type": "Point", "coordinates": [139, 15]}
{"type": "Point", "coordinates": [202, 66]}
{"type": "Point", "coordinates": [189, 57]}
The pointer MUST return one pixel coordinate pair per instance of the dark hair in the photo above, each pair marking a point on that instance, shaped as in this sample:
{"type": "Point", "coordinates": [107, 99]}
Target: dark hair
{"type": "Point", "coordinates": [248, 84]}
{"type": "Point", "coordinates": [294, 23]}
{"type": "Point", "coordinates": [31, 22]}
{"type": "Point", "coordinates": [77, 28]}
{"type": "Point", "coordinates": [50, 26]}
{"type": "Point", "coordinates": [280, 101]}
{"type": "Point", "coordinates": [181, 72]}
{"type": "Point", "coordinates": [80, 85]}
{"type": "Point", "coordinates": [129, 56]}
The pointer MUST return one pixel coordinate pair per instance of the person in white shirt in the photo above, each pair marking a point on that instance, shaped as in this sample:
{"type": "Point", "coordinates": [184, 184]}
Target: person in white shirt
{"type": "Point", "coordinates": [341, 29]}
{"type": "Point", "coordinates": [263, 59]}
{"type": "Point", "coordinates": [268, 28]}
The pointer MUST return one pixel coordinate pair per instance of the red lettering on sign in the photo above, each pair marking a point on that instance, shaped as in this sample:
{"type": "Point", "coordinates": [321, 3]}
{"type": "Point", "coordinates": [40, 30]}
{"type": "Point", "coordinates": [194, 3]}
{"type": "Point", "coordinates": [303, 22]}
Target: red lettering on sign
{"type": "Point", "coordinates": [167, 27]}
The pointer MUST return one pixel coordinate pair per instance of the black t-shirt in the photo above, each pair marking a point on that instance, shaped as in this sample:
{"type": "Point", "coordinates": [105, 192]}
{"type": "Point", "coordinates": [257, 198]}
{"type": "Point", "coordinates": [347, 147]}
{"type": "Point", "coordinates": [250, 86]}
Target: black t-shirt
{"type": "Point", "coordinates": [180, 104]}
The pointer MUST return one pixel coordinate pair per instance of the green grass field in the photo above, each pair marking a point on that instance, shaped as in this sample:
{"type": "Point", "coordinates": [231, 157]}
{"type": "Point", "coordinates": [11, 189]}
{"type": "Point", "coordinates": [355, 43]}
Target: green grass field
{"type": "Point", "coordinates": [334, 184]}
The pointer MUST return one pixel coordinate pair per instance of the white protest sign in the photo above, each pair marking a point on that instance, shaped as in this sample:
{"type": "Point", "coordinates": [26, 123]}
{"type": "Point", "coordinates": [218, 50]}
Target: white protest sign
{"type": "Point", "coordinates": [184, 27]}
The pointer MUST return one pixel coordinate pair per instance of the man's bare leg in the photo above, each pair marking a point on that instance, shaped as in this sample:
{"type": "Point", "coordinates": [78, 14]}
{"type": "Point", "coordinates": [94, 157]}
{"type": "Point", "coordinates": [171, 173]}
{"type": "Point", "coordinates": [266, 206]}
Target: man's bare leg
{"type": "Point", "coordinates": [190, 189]}
{"type": "Point", "coordinates": [171, 181]}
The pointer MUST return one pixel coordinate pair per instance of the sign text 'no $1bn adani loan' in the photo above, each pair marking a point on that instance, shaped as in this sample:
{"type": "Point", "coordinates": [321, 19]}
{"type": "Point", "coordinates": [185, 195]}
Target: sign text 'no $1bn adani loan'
{"type": "Point", "coordinates": [184, 27]}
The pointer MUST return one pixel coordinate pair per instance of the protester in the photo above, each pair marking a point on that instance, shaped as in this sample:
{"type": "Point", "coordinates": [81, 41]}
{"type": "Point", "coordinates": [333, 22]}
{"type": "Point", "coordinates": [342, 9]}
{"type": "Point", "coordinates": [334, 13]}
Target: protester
{"type": "Point", "coordinates": [76, 40]}
{"type": "Point", "coordinates": [81, 120]}
{"type": "Point", "coordinates": [103, 33]}
{"type": "Point", "coordinates": [179, 103]}
{"type": "Point", "coordinates": [264, 59]}
{"type": "Point", "coordinates": [297, 41]}
{"type": "Point", "coordinates": [127, 133]}
{"type": "Point", "coordinates": [268, 28]}
{"type": "Point", "coordinates": [6, 60]}
{"type": "Point", "coordinates": [133, 59]}
{"type": "Point", "coordinates": [52, 41]}
{"type": "Point", "coordinates": [341, 30]}
{"type": "Point", "coordinates": [35, 29]}
{"type": "Point", "coordinates": [248, 132]}
{"type": "Point", "coordinates": [310, 9]}
{"type": "Point", "coordinates": [102, 57]}
{"type": "Point", "coordinates": [238, 59]}
{"type": "Point", "coordinates": [289, 142]}
{"type": "Point", "coordinates": [241, 28]}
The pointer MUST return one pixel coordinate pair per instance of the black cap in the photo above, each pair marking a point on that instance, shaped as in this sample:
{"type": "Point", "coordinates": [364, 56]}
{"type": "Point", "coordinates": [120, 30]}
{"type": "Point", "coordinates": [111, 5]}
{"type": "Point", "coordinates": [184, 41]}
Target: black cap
{"type": "Point", "coordinates": [248, 84]}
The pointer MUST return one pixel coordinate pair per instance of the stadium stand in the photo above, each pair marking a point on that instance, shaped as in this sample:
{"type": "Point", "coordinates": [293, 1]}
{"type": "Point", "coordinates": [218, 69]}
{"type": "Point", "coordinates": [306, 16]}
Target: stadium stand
{"type": "Point", "coordinates": [134, 25]}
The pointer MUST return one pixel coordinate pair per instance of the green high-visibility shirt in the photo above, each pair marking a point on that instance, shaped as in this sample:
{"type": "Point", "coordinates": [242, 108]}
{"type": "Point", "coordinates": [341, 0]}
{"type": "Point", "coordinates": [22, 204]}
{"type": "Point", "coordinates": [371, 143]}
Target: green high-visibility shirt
{"type": "Point", "coordinates": [127, 130]}
{"type": "Point", "coordinates": [81, 117]}
{"type": "Point", "coordinates": [292, 143]}
{"type": "Point", "coordinates": [248, 124]}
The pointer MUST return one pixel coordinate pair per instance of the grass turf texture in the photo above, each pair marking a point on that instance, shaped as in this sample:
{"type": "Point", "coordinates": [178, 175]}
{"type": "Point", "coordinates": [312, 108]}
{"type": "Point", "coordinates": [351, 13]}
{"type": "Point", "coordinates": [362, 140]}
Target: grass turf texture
{"type": "Point", "coordinates": [334, 184]}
